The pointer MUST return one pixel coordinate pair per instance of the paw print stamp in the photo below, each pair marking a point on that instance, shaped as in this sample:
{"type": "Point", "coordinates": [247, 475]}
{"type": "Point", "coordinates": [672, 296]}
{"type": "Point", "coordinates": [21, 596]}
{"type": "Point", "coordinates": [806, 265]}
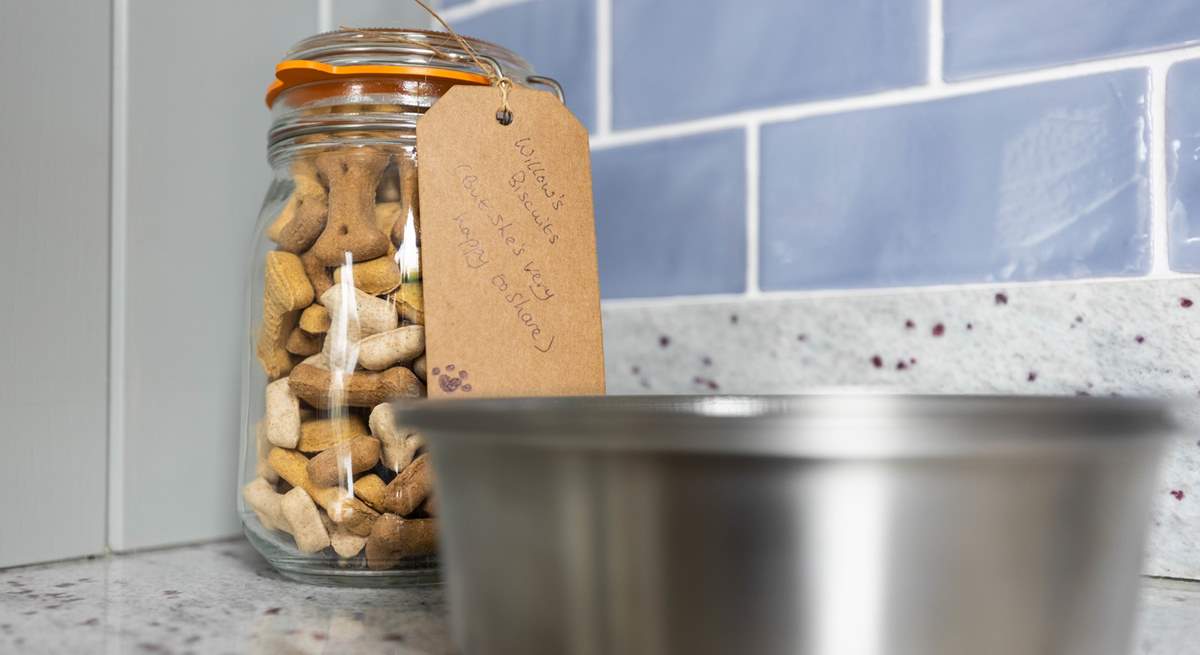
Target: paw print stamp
{"type": "Point", "coordinates": [451, 380]}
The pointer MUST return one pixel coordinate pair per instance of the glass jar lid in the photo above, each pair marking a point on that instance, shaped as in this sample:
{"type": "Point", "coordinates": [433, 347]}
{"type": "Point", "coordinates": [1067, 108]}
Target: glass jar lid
{"type": "Point", "coordinates": [373, 84]}
{"type": "Point", "coordinates": [391, 53]}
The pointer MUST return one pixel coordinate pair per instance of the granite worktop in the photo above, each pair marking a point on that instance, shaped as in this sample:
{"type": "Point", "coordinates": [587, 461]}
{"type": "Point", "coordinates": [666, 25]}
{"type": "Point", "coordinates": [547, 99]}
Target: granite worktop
{"type": "Point", "coordinates": [217, 598]}
{"type": "Point", "coordinates": [222, 597]}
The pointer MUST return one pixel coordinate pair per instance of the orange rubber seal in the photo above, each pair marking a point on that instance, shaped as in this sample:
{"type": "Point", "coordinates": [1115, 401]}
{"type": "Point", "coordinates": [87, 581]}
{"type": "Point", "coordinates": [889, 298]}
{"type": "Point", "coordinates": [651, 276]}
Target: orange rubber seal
{"type": "Point", "coordinates": [295, 72]}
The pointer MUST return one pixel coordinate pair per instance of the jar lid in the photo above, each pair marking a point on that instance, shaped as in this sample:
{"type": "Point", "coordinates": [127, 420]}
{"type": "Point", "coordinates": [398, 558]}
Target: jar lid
{"type": "Point", "coordinates": [295, 72]}
{"type": "Point", "coordinates": [387, 53]}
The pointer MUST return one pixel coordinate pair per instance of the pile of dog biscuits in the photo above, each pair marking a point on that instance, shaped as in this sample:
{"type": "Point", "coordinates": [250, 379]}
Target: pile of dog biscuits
{"type": "Point", "coordinates": [341, 336]}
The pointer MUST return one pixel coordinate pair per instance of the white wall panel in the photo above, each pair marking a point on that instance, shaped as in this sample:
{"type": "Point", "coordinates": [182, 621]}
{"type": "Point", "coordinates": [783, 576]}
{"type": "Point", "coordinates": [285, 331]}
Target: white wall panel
{"type": "Point", "coordinates": [197, 172]}
{"type": "Point", "coordinates": [54, 179]}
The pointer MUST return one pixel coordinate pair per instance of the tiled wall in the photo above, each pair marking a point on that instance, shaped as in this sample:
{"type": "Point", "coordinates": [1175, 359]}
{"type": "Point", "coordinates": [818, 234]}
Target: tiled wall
{"type": "Point", "coordinates": [175, 364]}
{"type": "Point", "coordinates": [742, 150]}
{"type": "Point", "coordinates": [764, 147]}
{"type": "Point", "coordinates": [963, 196]}
{"type": "Point", "coordinates": [53, 332]}
{"type": "Point", "coordinates": [134, 182]}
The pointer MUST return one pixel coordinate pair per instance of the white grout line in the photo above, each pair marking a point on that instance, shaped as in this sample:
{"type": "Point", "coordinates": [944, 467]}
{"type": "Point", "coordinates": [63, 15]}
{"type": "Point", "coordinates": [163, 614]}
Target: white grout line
{"type": "Point", "coordinates": [604, 55]}
{"type": "Point", "coordinates": [118, 208]}
{"type": "Point", "coordinates": [891, 98]}
{"type": "Point", "coordinates": [936, 44]}
{"type": "Point", "coordinates": [1159, 238]}
{"type": "Point", "coordinates": [324, 15]}
{"type": "Point", "coordinates": [808, 294]}
{"type": "Point", "coordinates": [472, 9]}
{"type": "Point", "coordinates": [752, 168]}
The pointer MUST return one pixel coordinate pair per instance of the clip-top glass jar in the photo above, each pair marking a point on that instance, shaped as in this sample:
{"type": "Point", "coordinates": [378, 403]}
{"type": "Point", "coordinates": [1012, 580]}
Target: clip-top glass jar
{"type": "Point", "coordinates": [331, 489]}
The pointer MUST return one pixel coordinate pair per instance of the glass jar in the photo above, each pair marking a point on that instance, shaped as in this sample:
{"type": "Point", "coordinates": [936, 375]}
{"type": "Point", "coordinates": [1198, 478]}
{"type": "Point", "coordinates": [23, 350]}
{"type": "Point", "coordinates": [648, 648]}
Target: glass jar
{"type": "Point", "coordinates": [332, 490]}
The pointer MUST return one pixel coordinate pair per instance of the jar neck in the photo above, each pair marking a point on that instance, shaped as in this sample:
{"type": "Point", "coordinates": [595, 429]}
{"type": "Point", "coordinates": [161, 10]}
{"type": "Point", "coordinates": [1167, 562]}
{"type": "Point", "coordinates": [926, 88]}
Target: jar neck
{"type": "Point", "coordinates": [405, 47]}
{"type": "Point", "coordinates": [302, 145]}
{"type": "Point", "coordinates": [375, 109]}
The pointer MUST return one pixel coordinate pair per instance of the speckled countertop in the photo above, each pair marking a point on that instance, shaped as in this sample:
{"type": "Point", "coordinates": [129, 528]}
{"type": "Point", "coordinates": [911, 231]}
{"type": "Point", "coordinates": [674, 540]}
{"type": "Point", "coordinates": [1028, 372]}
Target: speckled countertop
{"type": "Point", "coordinates": [223, 598]}
{"type": "Point", "coordinates": [212, 598]}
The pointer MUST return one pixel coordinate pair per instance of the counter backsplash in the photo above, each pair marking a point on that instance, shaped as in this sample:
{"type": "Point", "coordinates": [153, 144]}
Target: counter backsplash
{"type": "Point", "coordinates": [1137, 337]}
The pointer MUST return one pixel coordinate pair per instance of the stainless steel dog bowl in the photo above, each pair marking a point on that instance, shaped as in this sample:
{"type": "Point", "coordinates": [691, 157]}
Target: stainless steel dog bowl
{"type": "Point", "coordinates": [827, 525]}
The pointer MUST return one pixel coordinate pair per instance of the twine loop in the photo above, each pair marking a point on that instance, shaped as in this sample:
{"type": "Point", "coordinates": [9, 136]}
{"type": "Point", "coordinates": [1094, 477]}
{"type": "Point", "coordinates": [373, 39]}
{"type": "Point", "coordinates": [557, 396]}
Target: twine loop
{"type": "Point", "coordinates": [496, 76]}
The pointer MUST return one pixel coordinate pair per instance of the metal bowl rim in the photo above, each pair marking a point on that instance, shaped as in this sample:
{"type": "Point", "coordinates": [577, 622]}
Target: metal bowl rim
{"type": "Point", "coordinates": [816, 424]}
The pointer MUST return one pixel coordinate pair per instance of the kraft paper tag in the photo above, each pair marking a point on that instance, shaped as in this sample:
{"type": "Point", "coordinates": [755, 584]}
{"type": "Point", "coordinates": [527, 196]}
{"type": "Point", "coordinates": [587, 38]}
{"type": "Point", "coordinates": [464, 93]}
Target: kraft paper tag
{"type": "Point", "coordinates": [508, 248]}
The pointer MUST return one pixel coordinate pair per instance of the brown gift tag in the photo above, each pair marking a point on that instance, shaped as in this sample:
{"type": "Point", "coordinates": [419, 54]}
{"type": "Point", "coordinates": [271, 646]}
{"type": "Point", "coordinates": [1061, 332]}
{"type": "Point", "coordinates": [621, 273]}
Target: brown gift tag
{"type": "Point", "coordinates": [508, 248]}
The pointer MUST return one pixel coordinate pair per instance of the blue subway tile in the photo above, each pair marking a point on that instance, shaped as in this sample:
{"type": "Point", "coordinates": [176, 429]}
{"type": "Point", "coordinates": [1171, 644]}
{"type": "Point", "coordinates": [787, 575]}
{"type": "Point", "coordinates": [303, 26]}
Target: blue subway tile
{"type": "Point", "coordinates": [1183, 165]}
{"type": "Point", "coordinates": [1038, 182]}
{"type": "Point", "coordinates": [671, 216]}
{"type": "Point", "coordinates": [990, 36]}
{"type": "Point", "coordinates": [379, 13]}
{"type": "Point", "coordinates": [675, 60]}
{"type": "Point", "coordinates": [558, 37]}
